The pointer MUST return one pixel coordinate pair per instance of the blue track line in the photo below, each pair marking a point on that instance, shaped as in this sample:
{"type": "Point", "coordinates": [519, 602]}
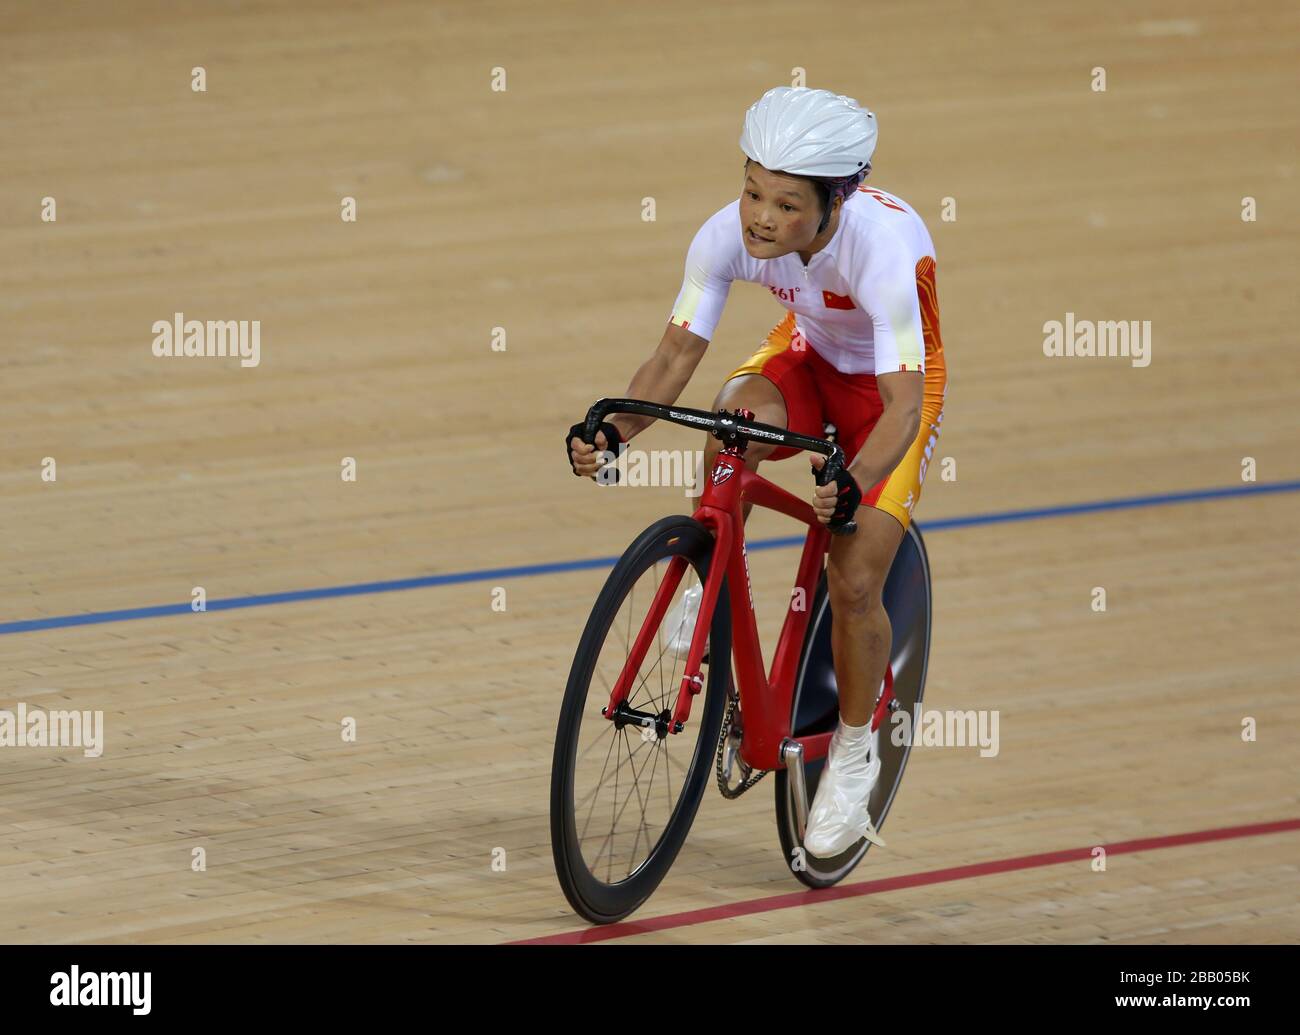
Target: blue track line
{"type": "Point", "coordinates": [526, 570]}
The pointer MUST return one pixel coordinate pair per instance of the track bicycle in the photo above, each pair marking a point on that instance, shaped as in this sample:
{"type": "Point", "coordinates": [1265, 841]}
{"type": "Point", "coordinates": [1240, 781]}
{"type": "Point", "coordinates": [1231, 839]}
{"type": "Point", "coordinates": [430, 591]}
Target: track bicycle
{"type": "Point", "coordinates": [631, 761]}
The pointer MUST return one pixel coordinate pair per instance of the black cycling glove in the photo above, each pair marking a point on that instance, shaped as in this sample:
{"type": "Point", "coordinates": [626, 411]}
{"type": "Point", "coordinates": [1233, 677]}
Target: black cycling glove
{"type": "Point", "coordinates": [848, 496]}
{"type": "Point", "coordinates": [613, 439]}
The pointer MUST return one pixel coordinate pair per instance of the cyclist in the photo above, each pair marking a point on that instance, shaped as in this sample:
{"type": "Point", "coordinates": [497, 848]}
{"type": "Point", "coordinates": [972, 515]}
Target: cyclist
{"type": "Point", "coordinates": [859, 349]}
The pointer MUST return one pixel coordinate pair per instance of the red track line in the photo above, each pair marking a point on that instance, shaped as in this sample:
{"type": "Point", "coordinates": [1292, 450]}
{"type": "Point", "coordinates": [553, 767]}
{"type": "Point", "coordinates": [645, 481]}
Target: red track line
{"type": "Point", "coordinates": [912, 880]}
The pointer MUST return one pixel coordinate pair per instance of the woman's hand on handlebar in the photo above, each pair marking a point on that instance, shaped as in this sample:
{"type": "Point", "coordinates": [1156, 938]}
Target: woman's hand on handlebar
{"type": "Point", "coordinates": [586, 460]}
{"type": "Point", "coordinates": [838, 500]}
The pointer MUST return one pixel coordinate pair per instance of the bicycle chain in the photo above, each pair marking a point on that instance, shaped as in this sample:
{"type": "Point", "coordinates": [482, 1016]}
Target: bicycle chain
{"type": "Point", "coordinates": [749, 781]}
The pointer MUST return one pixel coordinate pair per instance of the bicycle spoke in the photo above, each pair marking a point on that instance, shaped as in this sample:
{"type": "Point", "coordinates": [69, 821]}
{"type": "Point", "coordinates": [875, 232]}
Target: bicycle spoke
{"type": "Point", "coordinates": [636, 782]}
{"type": "Point", "coordinates": [599, 783]}
{"type": "Point", "coordinates": [642, 826]}
{"type": "Point", "coordinates": [650, 700]}
{"type": "Point", "coordinates": [595, 744]}
{"type": "Point", "coordinates": [669, 757]}
{"type": "Point", "coordinates": [628, 800]}
{"type": "Point", "coordinates": [618, 815]}
{"type": "Point", "coordinates": [645, 801]}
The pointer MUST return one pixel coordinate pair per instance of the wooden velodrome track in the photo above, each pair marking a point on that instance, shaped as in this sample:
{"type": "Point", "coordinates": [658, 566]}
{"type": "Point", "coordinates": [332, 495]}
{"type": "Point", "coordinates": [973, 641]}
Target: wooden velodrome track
{"type": "Point", "coordinates": [522, 209]}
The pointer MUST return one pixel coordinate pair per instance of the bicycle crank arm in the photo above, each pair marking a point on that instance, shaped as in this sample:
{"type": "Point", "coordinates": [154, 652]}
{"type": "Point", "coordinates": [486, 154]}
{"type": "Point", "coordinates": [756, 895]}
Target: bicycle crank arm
{"type": "Point", "coordinates": [792, 756]}
{"type": "Point", "coordinates": [731, 756]}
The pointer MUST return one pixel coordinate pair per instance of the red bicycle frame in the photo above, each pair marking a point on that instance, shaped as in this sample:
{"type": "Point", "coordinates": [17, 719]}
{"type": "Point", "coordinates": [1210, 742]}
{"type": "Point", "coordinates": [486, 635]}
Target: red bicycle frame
{"type": "Point", "coordinates": [765, 701]}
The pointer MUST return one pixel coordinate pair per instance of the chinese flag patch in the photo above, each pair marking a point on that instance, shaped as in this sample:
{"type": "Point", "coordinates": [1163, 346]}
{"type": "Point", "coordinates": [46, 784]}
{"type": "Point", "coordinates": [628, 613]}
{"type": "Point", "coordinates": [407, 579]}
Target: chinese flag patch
{"type": "Point", "coordinates": [833, 301]}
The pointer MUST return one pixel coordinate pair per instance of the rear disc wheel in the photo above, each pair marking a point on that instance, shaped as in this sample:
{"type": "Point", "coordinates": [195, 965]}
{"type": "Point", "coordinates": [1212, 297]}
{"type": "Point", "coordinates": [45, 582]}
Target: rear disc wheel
{"type": "Point", "coordinates": [815, 707]}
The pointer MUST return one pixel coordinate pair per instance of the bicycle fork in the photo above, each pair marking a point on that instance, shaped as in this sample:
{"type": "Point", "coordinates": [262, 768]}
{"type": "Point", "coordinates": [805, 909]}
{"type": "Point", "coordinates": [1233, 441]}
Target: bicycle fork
{"type": "Point", "coordinates": [729, 460]}
{"type": "Point", "coordinates": [692, 682]}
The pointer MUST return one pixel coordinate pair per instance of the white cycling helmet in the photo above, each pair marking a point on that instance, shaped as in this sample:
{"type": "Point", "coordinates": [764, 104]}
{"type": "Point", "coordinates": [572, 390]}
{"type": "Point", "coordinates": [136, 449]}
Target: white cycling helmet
{"type": "Point", "coordinates": [809, 133]}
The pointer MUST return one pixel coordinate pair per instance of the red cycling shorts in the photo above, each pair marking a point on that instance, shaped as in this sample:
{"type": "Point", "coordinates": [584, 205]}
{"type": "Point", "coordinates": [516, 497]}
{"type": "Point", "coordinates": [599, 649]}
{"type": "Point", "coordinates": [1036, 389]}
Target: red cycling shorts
{"type": "Point", "coordinates": [817, 394]}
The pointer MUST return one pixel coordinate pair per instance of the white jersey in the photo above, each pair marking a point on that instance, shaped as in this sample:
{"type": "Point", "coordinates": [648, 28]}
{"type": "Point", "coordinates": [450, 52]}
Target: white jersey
{"type": "Point", "coordinates": [855, 303]}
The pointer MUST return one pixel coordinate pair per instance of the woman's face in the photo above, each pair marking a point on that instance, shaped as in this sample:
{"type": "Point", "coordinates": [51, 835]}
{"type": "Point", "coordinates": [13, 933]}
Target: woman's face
{"type": "Point", "coordinates": [779, 214]}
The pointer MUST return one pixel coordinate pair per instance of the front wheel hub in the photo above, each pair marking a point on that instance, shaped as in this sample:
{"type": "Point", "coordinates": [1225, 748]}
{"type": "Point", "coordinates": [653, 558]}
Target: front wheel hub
{"type": "Point", "coordinates": [625, 716]}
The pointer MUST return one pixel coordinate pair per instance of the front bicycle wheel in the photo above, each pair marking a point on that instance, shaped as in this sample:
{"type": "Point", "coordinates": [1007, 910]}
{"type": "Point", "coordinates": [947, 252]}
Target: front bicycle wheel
{"type": "Point", "coordinates": [623, 795]}
{"type": "Point", "coordinates": [816, 706]}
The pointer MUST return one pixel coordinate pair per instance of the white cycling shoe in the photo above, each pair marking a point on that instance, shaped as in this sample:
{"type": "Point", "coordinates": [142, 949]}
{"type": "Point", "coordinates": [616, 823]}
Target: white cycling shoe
{"type": "Point", "coordinates": [681, 621]}
{"type": "Point", "coordinates": [839, 818]}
